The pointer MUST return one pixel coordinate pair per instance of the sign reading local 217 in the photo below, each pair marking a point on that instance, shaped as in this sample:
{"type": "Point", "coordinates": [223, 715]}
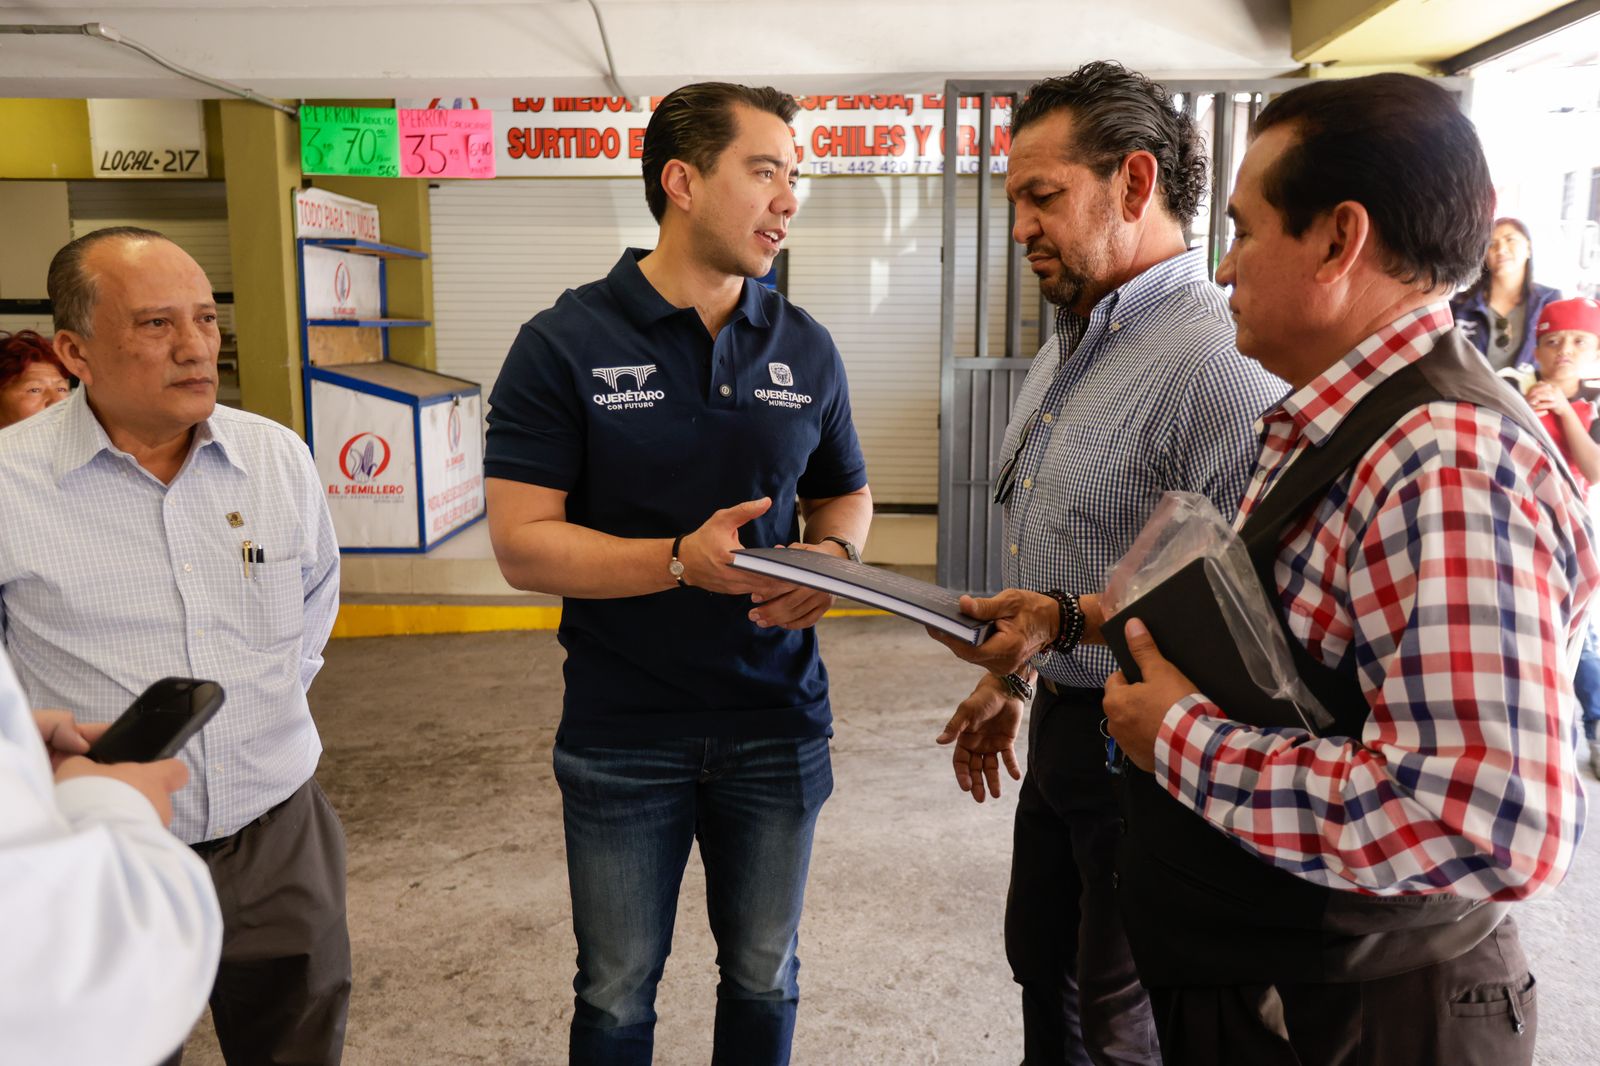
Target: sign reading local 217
{"type": "Point", "coordinates": [147, 138]}
{"type": "Point", "coordinates": [874, 133]}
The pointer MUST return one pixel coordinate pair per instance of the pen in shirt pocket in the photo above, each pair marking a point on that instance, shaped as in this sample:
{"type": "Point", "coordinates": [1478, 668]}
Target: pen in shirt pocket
{"type": "Point", "coordinates": [253, 554]}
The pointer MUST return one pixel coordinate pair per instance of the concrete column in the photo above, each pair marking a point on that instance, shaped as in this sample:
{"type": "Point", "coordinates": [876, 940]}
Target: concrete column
{"type": "Point", "coordinates": [262, 147]}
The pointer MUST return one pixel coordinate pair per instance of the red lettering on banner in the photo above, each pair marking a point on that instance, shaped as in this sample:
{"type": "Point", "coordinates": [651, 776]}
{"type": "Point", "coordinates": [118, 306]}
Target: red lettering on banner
{"type": "Point", "coordinates": [922, 133]}
{"type": "Point", "coordinates": [527, 103]}
{"type": "Point", "coordinates": [593, 103]}
{"type": "Point", "coordinates": [934, 101]}
{"type": "Point", "coordinates": [858, 141]}
{"type": "Point", "coordinates": [571, 142]}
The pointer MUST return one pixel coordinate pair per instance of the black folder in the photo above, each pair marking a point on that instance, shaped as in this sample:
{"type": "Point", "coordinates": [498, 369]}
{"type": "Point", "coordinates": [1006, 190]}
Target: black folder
{"type": "Point", "coordinates": [1191, 632]}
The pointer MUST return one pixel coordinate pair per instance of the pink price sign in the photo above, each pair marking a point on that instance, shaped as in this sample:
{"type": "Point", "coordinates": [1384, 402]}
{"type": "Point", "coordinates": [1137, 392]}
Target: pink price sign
{"type": "Point", "coordinates": [443, 143]}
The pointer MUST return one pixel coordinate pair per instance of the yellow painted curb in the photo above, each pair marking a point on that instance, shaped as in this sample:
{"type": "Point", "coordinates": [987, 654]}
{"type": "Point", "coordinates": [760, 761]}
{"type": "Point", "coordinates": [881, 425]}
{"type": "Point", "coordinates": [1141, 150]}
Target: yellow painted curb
{"type": "Point", "coordinates": [401, 619]}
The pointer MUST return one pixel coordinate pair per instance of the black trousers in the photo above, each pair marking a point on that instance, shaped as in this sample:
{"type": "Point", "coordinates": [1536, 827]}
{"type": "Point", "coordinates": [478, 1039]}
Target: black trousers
{"type": "Point", "coordinates": [1081, 998]}
{"type": "Point", "coordinates": [283, 988]}
{"type": "Point", "coordinates": [1476, 1010]}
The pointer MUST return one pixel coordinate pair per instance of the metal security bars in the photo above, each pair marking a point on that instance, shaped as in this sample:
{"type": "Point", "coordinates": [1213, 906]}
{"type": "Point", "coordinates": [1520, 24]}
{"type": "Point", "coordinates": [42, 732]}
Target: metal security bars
{"type": "Point", "coordinates": [978, 386]}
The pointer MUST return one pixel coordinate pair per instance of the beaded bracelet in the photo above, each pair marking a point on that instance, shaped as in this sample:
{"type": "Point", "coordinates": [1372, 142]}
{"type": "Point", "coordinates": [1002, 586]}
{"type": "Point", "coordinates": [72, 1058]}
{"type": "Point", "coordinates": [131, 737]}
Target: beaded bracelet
{"type": "Point", "coordinates": [1072, 623]}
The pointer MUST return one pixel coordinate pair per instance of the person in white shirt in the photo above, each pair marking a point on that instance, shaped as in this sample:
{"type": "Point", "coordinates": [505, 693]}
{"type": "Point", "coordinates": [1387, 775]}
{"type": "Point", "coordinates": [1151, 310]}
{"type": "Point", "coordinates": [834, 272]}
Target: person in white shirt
{"type": "Point", "coordinates": [146, 531]}
{"type": "Point", "coordinates": [110, 926]}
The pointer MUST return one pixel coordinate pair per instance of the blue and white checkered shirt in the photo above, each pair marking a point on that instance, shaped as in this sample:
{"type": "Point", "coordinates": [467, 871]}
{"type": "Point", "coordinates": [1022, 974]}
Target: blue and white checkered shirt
{"type": "Point", "coordinates": [1153, 398]}
{"type": "Point", "coordinates": [110, 580]}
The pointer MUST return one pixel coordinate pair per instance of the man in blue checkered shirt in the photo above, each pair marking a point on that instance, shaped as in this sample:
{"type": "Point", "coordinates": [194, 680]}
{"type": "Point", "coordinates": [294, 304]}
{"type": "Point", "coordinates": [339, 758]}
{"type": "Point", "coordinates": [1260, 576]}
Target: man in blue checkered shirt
{"type": "Point", "coordinates": [1140, 392]}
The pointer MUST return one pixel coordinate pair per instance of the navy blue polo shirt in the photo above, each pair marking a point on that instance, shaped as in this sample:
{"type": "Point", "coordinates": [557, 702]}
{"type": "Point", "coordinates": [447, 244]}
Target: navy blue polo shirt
{"type": "Point", "coordinates": [625, 403]}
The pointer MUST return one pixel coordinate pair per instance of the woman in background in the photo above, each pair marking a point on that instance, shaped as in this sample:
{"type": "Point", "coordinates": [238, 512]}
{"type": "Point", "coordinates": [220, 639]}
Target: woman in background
{"type": "Point", "coordinates": [31, 377]}
{"type": "Point", "coordinates": [1499, 313]}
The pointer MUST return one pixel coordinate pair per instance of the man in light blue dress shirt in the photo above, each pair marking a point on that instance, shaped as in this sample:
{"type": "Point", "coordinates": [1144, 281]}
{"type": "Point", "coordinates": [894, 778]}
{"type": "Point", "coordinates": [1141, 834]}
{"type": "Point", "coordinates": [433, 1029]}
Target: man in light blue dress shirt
{"type": "Point", "coordinates": [1140, 392]}
{"type": "Point", "coordinates": [148, 532]}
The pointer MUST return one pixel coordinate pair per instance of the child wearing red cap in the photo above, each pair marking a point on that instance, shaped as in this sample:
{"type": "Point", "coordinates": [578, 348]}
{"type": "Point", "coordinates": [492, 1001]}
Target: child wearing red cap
{"type": "Point", "coordinates": [1566, 348]}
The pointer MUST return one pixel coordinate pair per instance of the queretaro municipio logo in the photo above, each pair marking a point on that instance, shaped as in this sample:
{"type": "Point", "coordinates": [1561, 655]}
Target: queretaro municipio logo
{"type": "Point", "coordinates": [781, 374]}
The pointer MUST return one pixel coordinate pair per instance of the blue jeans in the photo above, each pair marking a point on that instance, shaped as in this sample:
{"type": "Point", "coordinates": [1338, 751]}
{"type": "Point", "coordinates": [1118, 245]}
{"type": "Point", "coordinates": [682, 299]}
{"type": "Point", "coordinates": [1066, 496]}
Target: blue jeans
{"type": "Point", "coordinates": [631, 814]}
{"type": "Point", "coordinates": [1586, 681]}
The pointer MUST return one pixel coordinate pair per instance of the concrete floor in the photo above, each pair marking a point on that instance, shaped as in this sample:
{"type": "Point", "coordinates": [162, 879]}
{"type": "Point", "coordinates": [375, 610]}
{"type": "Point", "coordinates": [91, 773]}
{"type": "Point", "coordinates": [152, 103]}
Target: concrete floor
{"type": "Point", "coordinates": [438, 759]}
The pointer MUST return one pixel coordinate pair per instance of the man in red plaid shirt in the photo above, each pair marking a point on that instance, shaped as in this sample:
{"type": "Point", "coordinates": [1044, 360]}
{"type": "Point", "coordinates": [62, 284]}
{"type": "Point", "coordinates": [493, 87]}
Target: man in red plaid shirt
{"type": "Point", "coordinates": [1342, 897]}
{"type": "Point", "coordinates": [1433, 589]}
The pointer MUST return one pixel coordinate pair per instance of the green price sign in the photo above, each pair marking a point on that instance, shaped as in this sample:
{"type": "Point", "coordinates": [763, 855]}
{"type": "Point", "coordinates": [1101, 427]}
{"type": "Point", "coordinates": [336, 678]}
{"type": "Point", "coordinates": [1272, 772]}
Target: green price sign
{"type": "Point", "coordinates": [362, 142]}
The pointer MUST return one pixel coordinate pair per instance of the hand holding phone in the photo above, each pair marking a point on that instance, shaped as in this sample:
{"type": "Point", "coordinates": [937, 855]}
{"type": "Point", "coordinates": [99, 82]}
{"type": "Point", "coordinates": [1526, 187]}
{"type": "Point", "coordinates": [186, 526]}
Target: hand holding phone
{"type": "Point", "coordinates": [159, 723]}
{"type": "Point", "coordinates": [156, 781]}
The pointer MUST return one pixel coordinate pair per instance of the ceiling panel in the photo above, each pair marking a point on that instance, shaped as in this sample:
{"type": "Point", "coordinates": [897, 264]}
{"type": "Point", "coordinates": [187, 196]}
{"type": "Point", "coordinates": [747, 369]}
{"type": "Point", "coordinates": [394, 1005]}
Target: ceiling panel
{"type": "Point", "coordinates": [364, 48]}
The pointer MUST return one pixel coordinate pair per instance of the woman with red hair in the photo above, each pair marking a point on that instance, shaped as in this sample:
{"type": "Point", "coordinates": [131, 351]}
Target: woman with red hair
{"type": "Point", "coordinates": [31, 377]}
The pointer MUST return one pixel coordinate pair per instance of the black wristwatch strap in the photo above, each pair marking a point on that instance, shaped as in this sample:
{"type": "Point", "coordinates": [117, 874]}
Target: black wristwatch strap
{"type": "Point", "coordinates": [1017, 686]}
{"type": "Point", "coordinates": [678, 568]}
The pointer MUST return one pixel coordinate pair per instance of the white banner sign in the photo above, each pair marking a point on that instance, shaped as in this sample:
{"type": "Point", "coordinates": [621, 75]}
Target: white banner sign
{"type": "Point", "coordinates": [452, 465]}
{"type": "Point", "coordinates": [319, 213]}
{"type": "Point", "coordinates": [876, 133]}
{"type": "Point", "coordinates": [341, 285]}
{"type": "Point", "coordinates": [366, 456]}
{"type": "Point", "coordinates": [147, 138]}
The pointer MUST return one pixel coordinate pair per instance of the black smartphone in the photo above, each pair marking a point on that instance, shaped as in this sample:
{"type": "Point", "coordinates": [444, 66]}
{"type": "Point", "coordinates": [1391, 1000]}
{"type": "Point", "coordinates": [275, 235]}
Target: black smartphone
{"type": "Point", "coordinates": [159, 722]}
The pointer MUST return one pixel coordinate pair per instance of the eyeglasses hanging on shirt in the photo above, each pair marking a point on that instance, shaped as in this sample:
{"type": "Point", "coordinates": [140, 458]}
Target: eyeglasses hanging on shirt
{"type": "Point", "coordinates": [1502, 326]}
{"type": "Point", "coordinates": [1005, 480]}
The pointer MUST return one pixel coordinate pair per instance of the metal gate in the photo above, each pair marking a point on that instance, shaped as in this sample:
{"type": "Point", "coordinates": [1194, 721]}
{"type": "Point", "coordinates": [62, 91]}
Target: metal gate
{"type": "Point", "coordinates": [977, 388]}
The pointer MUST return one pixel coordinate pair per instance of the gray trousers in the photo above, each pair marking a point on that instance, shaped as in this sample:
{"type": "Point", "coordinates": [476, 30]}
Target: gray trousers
{"type": "Point", "coordinates": [283, 988]}
{"type": "Point", "coordinates": [1476, 1010]}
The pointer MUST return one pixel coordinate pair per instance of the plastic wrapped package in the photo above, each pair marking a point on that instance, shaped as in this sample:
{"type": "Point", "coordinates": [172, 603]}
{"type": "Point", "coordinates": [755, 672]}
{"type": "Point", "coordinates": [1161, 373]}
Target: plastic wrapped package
{"type": "Point", "coordinates": [1186, 527]}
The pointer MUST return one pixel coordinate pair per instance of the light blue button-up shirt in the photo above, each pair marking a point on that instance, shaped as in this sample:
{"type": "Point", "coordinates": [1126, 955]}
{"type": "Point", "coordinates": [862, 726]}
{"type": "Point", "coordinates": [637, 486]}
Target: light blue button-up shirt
{"type": "Point", "coordinates": [1154, 398]}
{"type": "Point", "coordinates": [110, 580]}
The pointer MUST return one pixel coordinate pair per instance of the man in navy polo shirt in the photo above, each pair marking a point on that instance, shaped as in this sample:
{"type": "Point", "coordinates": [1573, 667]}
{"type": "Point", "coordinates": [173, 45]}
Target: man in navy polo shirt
{"type": "Point", "coordinates": [643, 428]}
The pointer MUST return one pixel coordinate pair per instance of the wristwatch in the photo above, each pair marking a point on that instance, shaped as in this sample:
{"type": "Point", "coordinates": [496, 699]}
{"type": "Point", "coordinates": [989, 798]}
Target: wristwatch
{"type": "Point", "coordinates": [675, 568]}
{"type": "Point", "coordinates": [849, 549]}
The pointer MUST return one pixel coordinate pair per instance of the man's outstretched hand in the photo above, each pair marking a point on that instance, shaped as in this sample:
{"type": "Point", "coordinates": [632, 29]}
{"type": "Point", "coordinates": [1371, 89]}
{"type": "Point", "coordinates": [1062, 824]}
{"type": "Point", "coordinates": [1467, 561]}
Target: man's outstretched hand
{"type": "Point", "coordinates": [1025, 623]}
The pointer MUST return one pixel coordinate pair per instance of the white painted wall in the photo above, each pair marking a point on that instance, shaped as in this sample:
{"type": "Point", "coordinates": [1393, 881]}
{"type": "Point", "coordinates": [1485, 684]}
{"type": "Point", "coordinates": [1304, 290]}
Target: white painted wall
{"type": "Point", "coordinates": [863, 260]}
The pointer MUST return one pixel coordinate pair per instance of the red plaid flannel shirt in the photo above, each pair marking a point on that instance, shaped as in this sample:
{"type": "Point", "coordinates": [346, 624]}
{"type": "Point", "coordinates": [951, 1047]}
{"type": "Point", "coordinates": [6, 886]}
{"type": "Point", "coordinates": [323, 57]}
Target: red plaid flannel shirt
{"type": "Point", "coordinates": [1454, 563]}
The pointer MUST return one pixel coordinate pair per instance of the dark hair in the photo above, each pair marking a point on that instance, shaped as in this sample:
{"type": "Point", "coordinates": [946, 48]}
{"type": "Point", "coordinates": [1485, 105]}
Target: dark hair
{"type": "Point", "coordinates": [1399, 146]}
{"type": "Point", "coordinates": [71, 288]}
{"type": "Point", "coordinates": [695, 123]}
{"type": "Point", "coordinates": [1115, 112]}
{"type": "Point", "coordinates": [1486, 279]}
{"type": "Point", "coordinates": [22, 349]}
